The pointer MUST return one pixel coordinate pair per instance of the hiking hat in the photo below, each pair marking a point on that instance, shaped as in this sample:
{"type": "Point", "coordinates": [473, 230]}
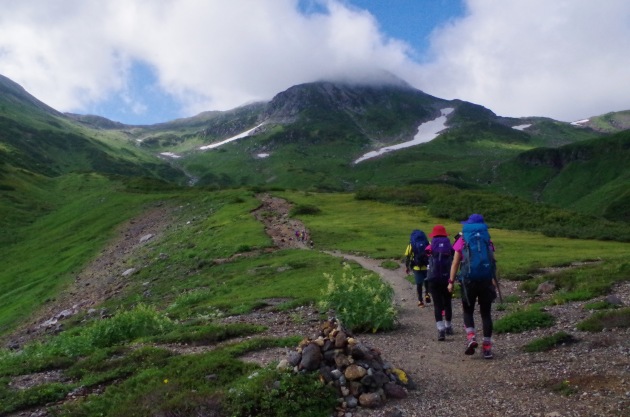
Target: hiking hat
{"type": "Point", "coordinates": [438, 230]}
{"type": "Point", "coordinates": [474, 218]}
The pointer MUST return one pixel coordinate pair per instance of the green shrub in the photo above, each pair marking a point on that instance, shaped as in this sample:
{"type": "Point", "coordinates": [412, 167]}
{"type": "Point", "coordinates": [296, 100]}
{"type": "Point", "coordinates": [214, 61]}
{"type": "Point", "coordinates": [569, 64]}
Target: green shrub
{"type": "Point", "coordinates": [549, 342]}
{"type": "Point", "coordinates": [127, 326]}
{"type": "Point", "coordinates": [523, 320]}
{"type": "Point", "coordinates": [11, 400]}
{"type": "Point", "coordinates": [270, 393]}
{"type": "Point", "coordinates": [305, 209]}
{"type": "Point", "coordinates": [600, 305]}
{"type": "Point", "coordinates": [361, 303]}
{"type": "Point", "coordinates": [606, 320]}
{"type": "Point", "coordinates": [562, 387]}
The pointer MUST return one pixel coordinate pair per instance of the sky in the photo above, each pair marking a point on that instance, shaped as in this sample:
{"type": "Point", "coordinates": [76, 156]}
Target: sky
{"type": "Point", "coordinates": [151, 61]}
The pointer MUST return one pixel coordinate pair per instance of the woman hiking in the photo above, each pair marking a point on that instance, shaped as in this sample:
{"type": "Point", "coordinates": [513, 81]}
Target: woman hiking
{"type": "Point", "coordinates": [474, 258]}
{"type": "Point", "coordinates": [440, 254]}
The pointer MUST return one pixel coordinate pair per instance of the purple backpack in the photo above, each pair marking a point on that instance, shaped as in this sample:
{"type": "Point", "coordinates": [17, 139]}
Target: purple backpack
{"type": "Point", "coordinates": [439, 268]}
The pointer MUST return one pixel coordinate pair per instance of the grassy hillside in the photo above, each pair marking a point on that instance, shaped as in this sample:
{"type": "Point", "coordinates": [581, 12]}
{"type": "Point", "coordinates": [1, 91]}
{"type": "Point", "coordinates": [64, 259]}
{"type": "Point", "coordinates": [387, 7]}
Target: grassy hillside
{"type": "Point", "coordinates": [591, 176]}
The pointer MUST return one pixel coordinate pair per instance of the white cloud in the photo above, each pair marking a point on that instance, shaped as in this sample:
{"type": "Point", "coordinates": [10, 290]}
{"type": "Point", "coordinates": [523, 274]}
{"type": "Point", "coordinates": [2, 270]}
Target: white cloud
{"type": "Point", "coordinates": [209, 54]}
{"type": "Point", "coordinates": [565, 59]}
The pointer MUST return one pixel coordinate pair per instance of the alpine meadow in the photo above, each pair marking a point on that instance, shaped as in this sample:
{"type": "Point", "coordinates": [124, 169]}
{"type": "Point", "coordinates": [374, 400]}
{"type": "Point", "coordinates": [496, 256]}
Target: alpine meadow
{"type": "Point", "coordinates": [145, 266]}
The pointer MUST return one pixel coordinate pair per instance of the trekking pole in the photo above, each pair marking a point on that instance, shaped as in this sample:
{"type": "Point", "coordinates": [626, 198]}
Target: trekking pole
{"type": "Point", "coordinates": [495, 280]}
{"type": "Point", "coordinates": [464, 289]}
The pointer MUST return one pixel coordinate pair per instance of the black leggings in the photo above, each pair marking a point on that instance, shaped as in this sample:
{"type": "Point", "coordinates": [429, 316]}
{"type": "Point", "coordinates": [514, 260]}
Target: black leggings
{"type": "Point", "coordinates": [484, 293]}
{"type": "Point", "coordinates": [441, 300]}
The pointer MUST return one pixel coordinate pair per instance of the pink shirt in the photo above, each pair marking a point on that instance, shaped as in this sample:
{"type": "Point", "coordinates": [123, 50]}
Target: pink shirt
{"type": "Point", "coordinates": [459, 245]}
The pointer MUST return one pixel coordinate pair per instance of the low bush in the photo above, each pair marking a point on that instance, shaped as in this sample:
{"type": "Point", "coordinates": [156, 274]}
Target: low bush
{"type": "Point", "coordinates": [523, 320]}
{"type": "Point", "coordinates": [599, 305]}
{"type": "Point", "coordinates": [12, 400]}
{"type": "Point", "coordinates": [549, 342]}
{"type": "Point", "coordinates": [391, 265]}
{"type": "Point", "coordinates": [606, 320]}
{"type": "Point", "coordinates": [361, 303]}
{"type": "Point", "coordinates": [305, 209]}
{"type": "Point", "coordinates": [271, 393]}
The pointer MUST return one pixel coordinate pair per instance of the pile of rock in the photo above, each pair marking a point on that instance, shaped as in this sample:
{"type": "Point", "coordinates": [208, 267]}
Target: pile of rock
{"type": "Point", "coordinates": [362, 378]}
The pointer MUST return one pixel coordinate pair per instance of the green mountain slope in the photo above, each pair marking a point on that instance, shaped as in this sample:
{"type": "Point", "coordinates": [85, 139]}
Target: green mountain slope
{"type": "Point", "coordinates": [37, 138]}
{"type": "Point", "coordinates": [591, 176]}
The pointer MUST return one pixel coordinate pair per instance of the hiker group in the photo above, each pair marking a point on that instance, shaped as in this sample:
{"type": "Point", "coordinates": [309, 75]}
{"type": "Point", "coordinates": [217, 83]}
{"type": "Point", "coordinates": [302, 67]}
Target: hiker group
{"type": "Point", "coordinates": [469, 260]}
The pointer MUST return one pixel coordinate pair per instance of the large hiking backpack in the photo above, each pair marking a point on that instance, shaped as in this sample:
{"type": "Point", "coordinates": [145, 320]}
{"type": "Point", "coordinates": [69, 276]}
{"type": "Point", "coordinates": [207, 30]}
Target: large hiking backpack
{"type": "Point", "coordinates": [419, 243]}
{"type": "Point", "coordinates": [440, 260]}
{"type": "Point", "coordinates": [478, 257]}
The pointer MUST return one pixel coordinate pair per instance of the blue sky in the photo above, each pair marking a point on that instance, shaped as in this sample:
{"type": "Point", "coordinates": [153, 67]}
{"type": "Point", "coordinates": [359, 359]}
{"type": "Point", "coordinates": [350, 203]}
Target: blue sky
{"type": "Point", "coordinates": [144, 62]}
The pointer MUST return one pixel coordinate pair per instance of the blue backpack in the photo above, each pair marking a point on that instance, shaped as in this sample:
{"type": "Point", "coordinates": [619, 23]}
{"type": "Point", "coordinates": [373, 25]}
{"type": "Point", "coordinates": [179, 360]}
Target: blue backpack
{"type": "Point", "coordinates": [439, 269]}
{"type": "Point", "coordinates": [419, 243]}
{"type": "Point", "coordinates": [478, 257]}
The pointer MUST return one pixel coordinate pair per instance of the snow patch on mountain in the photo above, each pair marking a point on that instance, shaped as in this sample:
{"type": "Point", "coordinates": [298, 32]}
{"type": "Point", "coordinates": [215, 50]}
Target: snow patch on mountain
{"type": "Point", "coordinates": [521, 127]}
{"type": "Point", "coordinates": [233, 138]}
{"type": "Point", "coordinates": [426, 132]}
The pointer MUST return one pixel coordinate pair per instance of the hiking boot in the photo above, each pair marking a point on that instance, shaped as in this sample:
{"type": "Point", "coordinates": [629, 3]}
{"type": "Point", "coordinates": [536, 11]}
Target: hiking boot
{"type": "Point", "coordinates": [420, 304]}
{"type": "Point", "coordinates": [441, 335]}
{"type": "Point", "coordinates": [471, 344]}
{"type": "Point", "coordinates": [449, 331]}
{"type": "Point", "coordinates": [427, 298]}
{"type": "Point", "coordinates": [487, 350]}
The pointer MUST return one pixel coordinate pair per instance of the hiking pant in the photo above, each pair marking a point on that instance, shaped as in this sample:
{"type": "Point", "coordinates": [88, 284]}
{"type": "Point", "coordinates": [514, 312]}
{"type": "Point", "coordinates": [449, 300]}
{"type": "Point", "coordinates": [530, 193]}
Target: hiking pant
{"type": "Point", "coordinates": [421, 279]}
{"type": "Point", "coordinates": [441, 300]}
{"type": "Point", "coordinates": [484, 293]}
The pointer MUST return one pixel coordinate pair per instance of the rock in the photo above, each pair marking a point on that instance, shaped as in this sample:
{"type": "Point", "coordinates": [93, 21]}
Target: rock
{"type": "Point", "coordinates": [146, 238]}
{"type": "Point", "coordinates": [341, 360]}
{"type": "Point", "coordinates": [294, 358]}
{"type": "Point", "coordinates": [283, 365]}
{"type": "Point", "coordinates": [614, 300]}
{"type": "Point", "coordinates": [311, 358]}
{"type": "Point", "coordinates": [129, 272]}
{"type": "Point", "coordinates": [370, 400]}
{"type": "Point", "coordinates": [354, 372]}
{"type": "Point", "coordinates": [351, 402]}
{"type": "Point", "coordinates": [546, 287]}
{"type": "Point", "coordinates": [340, 340]}
{"type": "Point", "coordinates": [394, 391]}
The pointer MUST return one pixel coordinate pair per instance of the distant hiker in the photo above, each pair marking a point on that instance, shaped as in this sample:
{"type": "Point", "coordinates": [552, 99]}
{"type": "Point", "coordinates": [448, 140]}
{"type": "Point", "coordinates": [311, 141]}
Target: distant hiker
{"type": "Point", "coordinates": [438, 272]}
{"type": "Point", "coordinates": [416, 259]}
{"type": "Point", "coordinates": [474, 257]}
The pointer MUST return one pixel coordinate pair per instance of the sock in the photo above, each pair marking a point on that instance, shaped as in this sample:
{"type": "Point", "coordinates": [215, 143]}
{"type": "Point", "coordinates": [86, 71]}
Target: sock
{"type": "Point", "coordinates": [448, 324]}
{"type": "Point", "coordinates": [487, 340]}
{"type": "Point", "coordinates": [470, 330]}
{"type": "Point", "coordinates": [440, 325]}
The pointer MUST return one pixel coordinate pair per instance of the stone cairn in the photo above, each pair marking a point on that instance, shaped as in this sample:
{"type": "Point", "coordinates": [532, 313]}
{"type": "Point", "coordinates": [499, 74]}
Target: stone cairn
{"type": "Point", "coordinates": [359, 374]}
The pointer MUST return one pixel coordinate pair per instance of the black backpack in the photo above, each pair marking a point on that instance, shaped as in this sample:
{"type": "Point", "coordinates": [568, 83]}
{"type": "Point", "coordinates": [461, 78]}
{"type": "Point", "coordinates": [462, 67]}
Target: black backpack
{"type": "Point", "coordinates": [441, 258]}
{"type": "Point", "coordinates": [419, 243]}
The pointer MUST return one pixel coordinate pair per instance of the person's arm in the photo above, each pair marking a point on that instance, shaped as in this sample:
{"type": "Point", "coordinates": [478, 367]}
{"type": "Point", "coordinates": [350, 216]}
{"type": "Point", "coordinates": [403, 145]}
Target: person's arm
{"type": "Point", "coordinates": [454, 267]}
